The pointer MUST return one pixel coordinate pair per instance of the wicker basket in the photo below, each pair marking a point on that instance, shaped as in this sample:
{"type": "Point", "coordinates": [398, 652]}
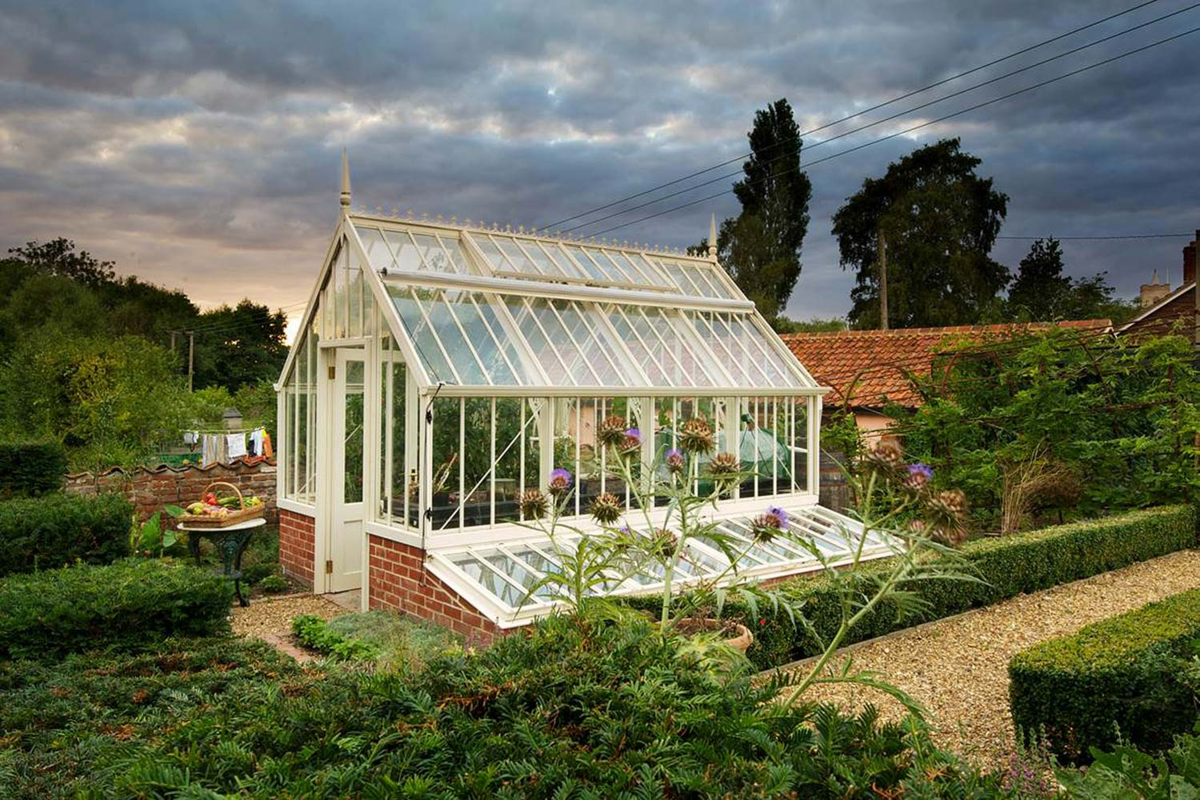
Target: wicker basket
{"type": "Point", "coordinates": [234, 516]}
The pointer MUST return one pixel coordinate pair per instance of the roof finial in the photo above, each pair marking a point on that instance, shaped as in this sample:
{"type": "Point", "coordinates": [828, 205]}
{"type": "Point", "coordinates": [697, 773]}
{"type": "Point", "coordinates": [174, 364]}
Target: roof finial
{"type": "Point", "coordinates": [712, 239]}
{"type": "Point", "coordinates": [345, 196]}
{"type": "Point", "coordinates": [1154, 280]}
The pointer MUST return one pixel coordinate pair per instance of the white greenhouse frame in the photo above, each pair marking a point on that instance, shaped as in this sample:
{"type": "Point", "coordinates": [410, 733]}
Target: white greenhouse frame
{"type": "Point", "coordinates": [488, 357]}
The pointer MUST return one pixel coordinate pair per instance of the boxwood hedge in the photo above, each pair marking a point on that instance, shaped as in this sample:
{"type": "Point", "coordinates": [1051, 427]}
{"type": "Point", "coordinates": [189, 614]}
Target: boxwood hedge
{"type": "Point", "coordinates": [31, 469]}
{"type": "Point", "coordinates": [121, 605]}
{"type": "Point", "coordinates": [55, 530]}
{"type": "Point", "coordinates": [1124, 678]}
{"type": "Point", "coordinates": [1006, 567]}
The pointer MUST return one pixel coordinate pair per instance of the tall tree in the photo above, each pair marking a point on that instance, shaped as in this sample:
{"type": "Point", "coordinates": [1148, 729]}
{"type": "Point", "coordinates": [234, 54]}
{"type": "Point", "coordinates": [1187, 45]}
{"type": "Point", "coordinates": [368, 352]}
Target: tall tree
{"type": "Point", "coordinates": [240, 346]}
{"type": "Point", "coordinates": [760, 248]}
{"type": "Point", "coordinates": [939, 220]}
{"type": "Point", "coordinates": [1040, 290]}
{"type": "Point", "coordinates": [59, 258]}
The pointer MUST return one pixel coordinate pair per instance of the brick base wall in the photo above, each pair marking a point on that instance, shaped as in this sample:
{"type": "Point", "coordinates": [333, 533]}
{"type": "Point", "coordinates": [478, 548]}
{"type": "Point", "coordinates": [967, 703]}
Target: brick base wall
{"type": "Point", "coordinates": [399, 581]}
{"type": "Point", "coordinates": [297, 543]}
{"type": "Point", "coordinates": [151, 489]}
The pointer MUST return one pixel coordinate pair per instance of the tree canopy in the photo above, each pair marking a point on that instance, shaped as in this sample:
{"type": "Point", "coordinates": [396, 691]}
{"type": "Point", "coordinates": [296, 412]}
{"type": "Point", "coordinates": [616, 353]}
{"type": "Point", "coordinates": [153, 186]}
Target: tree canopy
{"type": "Point", "coordinates": [760, 248]}
{"type": "Point", "coordinates": [939, 220]}
{"type": "Point", "coordinates": [1041, 293]}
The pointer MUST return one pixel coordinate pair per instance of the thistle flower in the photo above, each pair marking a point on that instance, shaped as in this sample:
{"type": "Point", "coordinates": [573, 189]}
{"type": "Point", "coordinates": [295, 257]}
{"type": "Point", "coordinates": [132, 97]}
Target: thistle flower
{"type": "Point", "coordinates": [631, 443]}
{"type": "Point", "coordinates": [560, 482]}
{"type": "Point", "coordinates": [606, 509]}
{"type": "Point", "coordinates": [674, 461]}
{"type": "Point", "coordinates": [919, 476]}
{"type": "Point", "coordinates": [611, 432]}
{"type": "Point", "coordinates": [945, 513]}
{"type": "Point", "coordinates": [664, 543]}
{"type": "Point", "coordinates": [533, 504]}
{"type": "Point", "coordinates": [724, 465]}
{"type": "Point", "coordinates": [885, 458]}
{"type": "Point", "coordinates": [769, 523]}
{"type": "Point", "coordinates": [695, 436]}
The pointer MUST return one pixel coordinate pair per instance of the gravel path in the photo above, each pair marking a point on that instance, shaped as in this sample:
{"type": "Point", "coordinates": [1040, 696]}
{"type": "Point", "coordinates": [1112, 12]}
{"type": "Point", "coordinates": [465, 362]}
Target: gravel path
{"type": "Point", "coordinates": [958, 668]}
{"type": "Point", "coordinates": [266, 618]}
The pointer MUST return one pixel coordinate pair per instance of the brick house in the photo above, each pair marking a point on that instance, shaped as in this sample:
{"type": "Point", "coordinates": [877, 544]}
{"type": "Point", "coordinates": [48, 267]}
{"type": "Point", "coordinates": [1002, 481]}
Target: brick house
{"type": "Point", "coordinates": [1164, 310]}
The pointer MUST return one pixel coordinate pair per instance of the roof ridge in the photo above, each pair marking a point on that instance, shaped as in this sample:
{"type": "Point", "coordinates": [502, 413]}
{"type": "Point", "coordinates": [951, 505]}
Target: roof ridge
{"type": "Point", "coordinates": [1098, 322]}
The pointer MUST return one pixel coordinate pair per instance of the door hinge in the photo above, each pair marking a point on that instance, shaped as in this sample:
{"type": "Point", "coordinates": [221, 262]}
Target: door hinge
{"type": "Point", "coordinates": [332, 371]}
{"type": "Point", "coordinates": [329, 566]}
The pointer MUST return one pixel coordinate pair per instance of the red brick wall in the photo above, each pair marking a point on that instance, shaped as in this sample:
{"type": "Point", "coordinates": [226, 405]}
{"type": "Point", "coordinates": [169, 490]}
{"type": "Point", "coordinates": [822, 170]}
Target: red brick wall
{"type": "Point", "coordinates": [151, 489]}
{"type": "Point", "coordinates": [297, 540]}
{"type": "Point", "coordinates": [400, 581]}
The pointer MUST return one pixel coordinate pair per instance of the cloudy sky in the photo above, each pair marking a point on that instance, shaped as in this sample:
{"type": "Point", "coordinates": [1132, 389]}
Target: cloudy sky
{"type": "Point", "coordinates": [198, 144]}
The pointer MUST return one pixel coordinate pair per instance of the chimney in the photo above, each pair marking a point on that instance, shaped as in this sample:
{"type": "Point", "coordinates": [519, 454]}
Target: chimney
{"type": "Point", "coordinates": [1153, 292]}
{"type": "Point", "coordinates": [1189, 261]}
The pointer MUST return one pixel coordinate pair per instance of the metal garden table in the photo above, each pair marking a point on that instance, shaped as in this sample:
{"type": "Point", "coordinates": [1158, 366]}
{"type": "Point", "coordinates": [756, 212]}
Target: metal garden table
{"type": "Point", "coordinates": [231, 541]}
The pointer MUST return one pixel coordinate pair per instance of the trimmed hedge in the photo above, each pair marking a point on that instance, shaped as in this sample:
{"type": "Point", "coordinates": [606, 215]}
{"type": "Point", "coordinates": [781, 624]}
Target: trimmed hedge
{"type": "Point", "coordinates": [31, 469]}
{"type": "Point", "coordinates": [1008, 566]}
{"type": "Point", "coordinates": [1123, 678]}
{"type": "Point", "coordinates": [127, 604]}
{"type": "Point", "coordinates": [57, 530]}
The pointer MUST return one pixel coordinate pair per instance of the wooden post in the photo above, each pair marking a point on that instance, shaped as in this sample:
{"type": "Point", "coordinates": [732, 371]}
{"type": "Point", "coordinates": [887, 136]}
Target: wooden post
{"type": "Point", "coordinates": [883, 281]}
{"type": "Point", "coordinates": [191, 357]}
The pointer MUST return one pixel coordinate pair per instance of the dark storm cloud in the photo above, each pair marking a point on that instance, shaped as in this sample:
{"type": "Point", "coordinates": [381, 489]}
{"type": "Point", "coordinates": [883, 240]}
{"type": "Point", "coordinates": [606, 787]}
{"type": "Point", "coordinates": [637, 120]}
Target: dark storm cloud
{"type": "Point", "coordinates": [197, 144]}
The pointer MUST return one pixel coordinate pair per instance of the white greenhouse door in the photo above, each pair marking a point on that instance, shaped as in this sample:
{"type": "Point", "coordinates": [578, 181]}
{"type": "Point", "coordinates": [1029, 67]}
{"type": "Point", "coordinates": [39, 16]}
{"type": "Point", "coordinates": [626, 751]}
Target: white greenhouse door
{"type": "Point", "coordinates": [345, 546]}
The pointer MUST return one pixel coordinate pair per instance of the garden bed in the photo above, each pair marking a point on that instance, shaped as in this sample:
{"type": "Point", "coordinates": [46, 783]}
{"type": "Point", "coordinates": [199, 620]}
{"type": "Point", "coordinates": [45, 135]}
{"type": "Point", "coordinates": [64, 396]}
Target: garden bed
{"type": "Point", "coordinates": [958, 667]}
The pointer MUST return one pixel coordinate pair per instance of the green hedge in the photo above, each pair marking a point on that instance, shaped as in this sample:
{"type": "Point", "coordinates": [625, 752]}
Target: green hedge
{"type": "Point", "coordinates": [1123, 678]}
{"type": "Point", "coordinates": [1008, 566]}
{"type": "Point", "coordinates": [56, 530]}
{"type": "Point", "coordinates": [31, 469]}
{"type": "Point", "coordinates": [315, 634]}
{"type": "Point", "coordinates": [121, 605]}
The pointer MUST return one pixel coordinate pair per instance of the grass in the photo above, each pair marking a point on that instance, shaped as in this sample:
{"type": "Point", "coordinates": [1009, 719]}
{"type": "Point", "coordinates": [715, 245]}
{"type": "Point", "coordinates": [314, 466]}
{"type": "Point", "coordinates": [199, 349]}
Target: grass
{"type": "Point", "coordinates": [402, 642]}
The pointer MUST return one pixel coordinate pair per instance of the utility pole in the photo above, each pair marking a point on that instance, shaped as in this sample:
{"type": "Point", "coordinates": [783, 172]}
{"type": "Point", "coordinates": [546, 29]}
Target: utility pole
{"type": "Point", "coordinates": [883, 304]}
{"type": "Point", "coordinates": [191, 357]}
{"type": "Point", "coordinates": [173, 341]}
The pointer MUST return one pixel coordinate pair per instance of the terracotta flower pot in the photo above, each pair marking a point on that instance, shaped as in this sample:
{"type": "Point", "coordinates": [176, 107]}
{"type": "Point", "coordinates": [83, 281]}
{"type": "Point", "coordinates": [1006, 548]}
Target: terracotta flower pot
{"type": "Point", "coordinates": [735, 634]}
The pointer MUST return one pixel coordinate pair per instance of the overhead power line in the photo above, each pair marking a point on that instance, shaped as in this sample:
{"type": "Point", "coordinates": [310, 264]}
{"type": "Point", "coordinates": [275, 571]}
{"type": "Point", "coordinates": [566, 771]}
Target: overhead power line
{"type": "Point", "coordinates": [1100, 238]}
{"type": "Point", "coordinates": [895, 116]}
{"type": "Point", "coordinates": [864, 111]}
{"type": "Point", "coordinates": [917, 127]}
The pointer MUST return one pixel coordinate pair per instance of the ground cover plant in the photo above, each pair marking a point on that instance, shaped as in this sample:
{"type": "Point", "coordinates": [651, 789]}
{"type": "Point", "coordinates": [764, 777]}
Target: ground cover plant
{"type": "Point", "coordinates": [569, 708]}
{"type": "Point", "coordinates": [1129, 678]}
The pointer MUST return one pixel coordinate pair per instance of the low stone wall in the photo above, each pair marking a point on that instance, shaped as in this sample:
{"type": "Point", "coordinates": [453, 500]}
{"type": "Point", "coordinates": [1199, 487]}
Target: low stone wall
{"type": "Point", "coordinates": [151, 489]}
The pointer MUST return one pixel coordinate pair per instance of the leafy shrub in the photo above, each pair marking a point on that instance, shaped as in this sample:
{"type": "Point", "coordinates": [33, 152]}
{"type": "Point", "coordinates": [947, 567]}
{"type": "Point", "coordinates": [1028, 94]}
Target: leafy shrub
{"type": "Point", "coordinates": [123, 605]}
{"type": "Point", "coordinates": [560, 710]}
{"type": "Point", "coordinates": [1005, 567]}
{"type": "Point", "coordinates": [47, 532]}
{"type": "Point", "coordinates": [1118, 678]}
{"type": "Point", "coordinates": [1127, 772]}
{"type": "Point", "coordinates": [31, 469]}
{"type": "Point", "coordinates": [314, 633]}
{"type": "Point", "coordinates": [274, 584]}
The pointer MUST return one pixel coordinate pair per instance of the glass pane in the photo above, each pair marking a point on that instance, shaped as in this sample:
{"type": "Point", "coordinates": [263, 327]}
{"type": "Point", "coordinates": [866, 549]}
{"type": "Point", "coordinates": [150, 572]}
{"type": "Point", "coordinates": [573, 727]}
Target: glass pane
{"type": "Point", "coordinates": [353, 444]}
{"type": "Point", "coordinates": [377, 252]}
{"type": "Point", "coordinates": [563, 265]}
{"type": "Point", "coordinates": [520, 262]}
{"type": "Point", "coordinates": [420, 331]}
{"type": "Point", "coordinates": [491, 253]}
{"type": "Point", "coordinates": [590, 270]}
{"type": "Point", "coordinates": [446, 463]}
{"type": "Point", "coordinates": [432, 255]}
{"type": "Point", "coordinates": [494, 358]}
{"type": "Point", "coordinates": [453, 249]}
{"type": "Point", "coordinates": [354, 290]}
{"type": "Point", "coordinates": [403, 250]}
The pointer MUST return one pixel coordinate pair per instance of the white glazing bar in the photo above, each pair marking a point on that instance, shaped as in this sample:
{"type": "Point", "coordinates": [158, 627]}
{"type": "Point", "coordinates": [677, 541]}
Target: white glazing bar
{"type": "Point", "coordinates": [462, 463]}
{"type": "Point", "coordinates": [492, 469]}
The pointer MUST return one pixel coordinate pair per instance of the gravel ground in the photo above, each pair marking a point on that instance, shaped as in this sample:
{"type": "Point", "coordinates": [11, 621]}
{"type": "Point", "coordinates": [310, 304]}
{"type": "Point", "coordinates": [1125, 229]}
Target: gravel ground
{"type": "Point", "coordinates": [273, 616]}
{"type": "Point", "coordinates": [958, 668]}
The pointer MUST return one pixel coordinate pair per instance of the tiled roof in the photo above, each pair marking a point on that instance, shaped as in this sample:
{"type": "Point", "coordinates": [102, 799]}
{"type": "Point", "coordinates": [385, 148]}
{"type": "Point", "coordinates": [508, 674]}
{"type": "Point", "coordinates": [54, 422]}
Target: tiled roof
{"type": "Point", "coordinates": [869, 368]}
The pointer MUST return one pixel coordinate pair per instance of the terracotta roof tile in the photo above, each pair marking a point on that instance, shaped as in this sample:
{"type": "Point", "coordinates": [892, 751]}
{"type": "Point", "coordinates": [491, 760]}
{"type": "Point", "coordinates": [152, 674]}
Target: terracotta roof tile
{"type": "Point", "coordinates": [868, 368]}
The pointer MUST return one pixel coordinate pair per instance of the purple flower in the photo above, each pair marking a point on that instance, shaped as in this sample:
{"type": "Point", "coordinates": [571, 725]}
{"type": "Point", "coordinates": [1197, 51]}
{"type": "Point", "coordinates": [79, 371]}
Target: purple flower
{"type": "Point", "coordinates": [674, 461]}
{"type": "Point", "coordinates": [923, 470]}
{"type": "Point", "coordinates": [560, 481]}
{"type": "Point", "coordinates": [632, 441]}
{"type": "Point", "coordinates": [780, 515]}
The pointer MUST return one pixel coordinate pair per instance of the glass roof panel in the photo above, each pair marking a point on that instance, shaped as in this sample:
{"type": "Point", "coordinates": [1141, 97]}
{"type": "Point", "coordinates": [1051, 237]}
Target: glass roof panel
{"type": "Point", "coordinates": [505, 574]}
{"type": "Point", "coordinates": [404, 251]}
{"type": "Point", "coordinates": [517, 257]}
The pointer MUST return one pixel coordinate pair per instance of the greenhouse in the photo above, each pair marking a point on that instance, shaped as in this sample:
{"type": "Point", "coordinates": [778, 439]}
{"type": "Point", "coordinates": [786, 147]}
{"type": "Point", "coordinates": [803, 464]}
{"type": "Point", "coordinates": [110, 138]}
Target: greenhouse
{"type": "Point", "coordinates": [442, 369]}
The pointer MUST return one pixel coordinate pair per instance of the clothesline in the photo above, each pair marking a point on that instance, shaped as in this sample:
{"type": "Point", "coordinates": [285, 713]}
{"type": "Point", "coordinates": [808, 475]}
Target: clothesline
{"type": "Point", "coordinates": [231, 445]}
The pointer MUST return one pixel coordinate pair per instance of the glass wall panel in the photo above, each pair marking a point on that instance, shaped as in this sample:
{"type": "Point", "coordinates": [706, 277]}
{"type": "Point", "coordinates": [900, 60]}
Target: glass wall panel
{"type": "Point", "coordinates": [447, 463]}
{"type": "Point", "coordinates": [300, 408]}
